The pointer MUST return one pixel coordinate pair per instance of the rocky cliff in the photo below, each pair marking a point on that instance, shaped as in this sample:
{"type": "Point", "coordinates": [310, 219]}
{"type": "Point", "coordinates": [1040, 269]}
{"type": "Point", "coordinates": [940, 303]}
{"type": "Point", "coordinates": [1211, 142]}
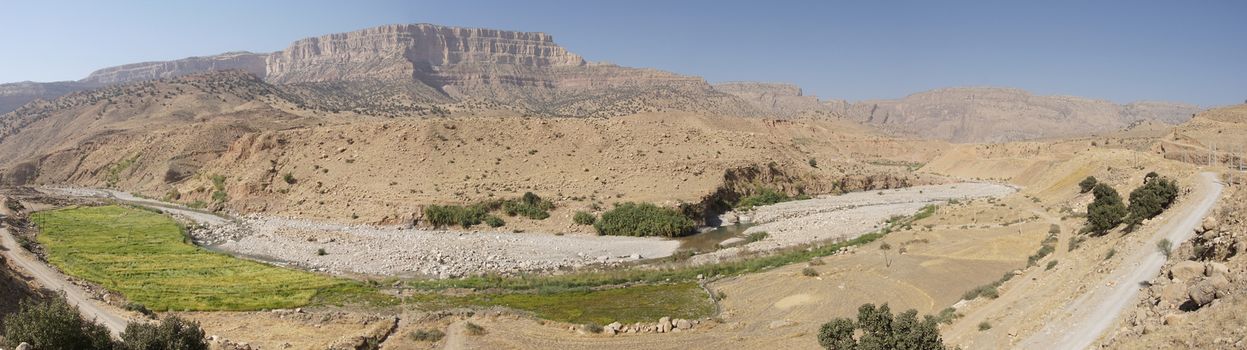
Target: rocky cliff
{"type": "Point", "coordinates": [774, 99]}
{"type": "Point", "coordinates": [249, 62]}
{"type": "Point", "coordinates": [1004, 114]}
{"type": "Point", "coordinates": [14, 95]}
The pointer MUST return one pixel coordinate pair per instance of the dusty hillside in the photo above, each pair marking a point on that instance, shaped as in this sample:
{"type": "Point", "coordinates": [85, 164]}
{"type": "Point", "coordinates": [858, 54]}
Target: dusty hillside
{"type": "Point", "coordinates": [387, 170]}
{"type": "Point", "coordinates": [1001, 114]}
{"type": "Point", "coordinates": [172, 138]}
{"type": "Point", "coordinates": [1214, 136]}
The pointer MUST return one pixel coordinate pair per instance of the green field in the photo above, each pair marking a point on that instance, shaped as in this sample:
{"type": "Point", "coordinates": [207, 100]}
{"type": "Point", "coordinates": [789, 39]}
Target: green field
{"type": "Point", "coordinates": [144, 256]}
{"type": "Point", "coordinates": [644, 303]}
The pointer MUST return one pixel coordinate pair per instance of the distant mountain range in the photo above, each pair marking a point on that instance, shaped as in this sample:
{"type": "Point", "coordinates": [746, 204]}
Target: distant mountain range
{"type": "Point", "coordinates": [418, 69]}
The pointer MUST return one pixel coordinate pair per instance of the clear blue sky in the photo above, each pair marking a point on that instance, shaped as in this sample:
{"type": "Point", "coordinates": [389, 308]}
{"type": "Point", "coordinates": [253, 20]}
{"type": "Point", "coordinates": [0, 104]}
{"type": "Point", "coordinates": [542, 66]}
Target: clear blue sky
{"type": "Point", "coordinates": [1192, 51]}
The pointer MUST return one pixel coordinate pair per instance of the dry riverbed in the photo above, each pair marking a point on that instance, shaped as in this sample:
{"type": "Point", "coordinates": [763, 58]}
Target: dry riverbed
{"type": "Point", "coordinates": [393, 251]}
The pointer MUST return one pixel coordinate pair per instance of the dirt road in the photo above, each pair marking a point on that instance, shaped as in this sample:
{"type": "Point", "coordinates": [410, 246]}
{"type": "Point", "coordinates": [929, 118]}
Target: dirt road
{"type": "Point", "coordinates": [1083, 320]}
{"type": "Point", "coordinates": [53, 280]}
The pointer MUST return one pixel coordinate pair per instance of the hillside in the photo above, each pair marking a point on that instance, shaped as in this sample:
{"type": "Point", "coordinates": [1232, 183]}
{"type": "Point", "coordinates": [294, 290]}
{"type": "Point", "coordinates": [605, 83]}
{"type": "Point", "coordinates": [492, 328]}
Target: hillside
{"type": "Point", "coordinates": [1001, 114]}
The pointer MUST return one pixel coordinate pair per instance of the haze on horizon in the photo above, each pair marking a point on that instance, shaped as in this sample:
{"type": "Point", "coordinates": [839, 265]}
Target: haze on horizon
{"type": "Point", "coordinates": [1120, 51]}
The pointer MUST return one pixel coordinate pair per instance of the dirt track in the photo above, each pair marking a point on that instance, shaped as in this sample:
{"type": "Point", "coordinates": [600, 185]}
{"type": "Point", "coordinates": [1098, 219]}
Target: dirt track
{"type": "Point", "coordinates": [1083, 320]}
{"type": "Point", "coordinates": [52, 280]}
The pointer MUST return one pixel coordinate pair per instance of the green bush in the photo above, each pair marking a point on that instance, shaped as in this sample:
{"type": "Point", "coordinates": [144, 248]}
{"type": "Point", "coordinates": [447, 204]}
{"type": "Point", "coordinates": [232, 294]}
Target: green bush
{"type": "Point", "coordinates": [880, 329]}
{"type": "Point", "coordinates": [1165, 247]}
{"type": "Point", "coordinates": [643, 219]}
{"type": "Point", "coordinates": [289, 178]}
{"type": "Point", "coordinates": [140, 308]}
{"type": "Point", "coordinates": [984, 326]}
{"type": "Point", "coordinates": [1087, 184]}
{"type": "Point", "coordinates": [1106, 211]}
{"type": "Point", "coordinates": [765, 196]}
{"type": "Point", "coordinates": [494, 221]}
{"type": "Point", "coordinates": [584, 218]}
{"type": "Point", "coordinates": [431, 335]}
{"type": "Point", "coordinates": [593, 328]}
{"type": "Point", "coordinates": [530, 206]}
{"type": "Point", "coordinates": [172, 333]}
{"type": "Point", "coordinates": [447, 215]}
{"type": "Point", "coordinates": [54, 324]}
{"type": "Point", "coordinates": [1151, 199]}
{"type": "Point", "coordinates": [809, 272]}
{"type": "Point", "coordinates": [756, 236]}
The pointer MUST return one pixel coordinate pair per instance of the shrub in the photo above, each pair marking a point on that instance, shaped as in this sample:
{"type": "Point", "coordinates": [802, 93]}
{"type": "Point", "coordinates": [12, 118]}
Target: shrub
{"type": "Point", "coordinates": [289, 178]}
{"type": "Point", "coordinates": [593, 328]}
{"type": "Point", "coordinates": [494, 221]}
{"type": "Point", "coordinates": [321, 252]}
{"type": "Point", "coordinates": [139, 308]}
{"type": "Point", "coordinates": [813, 163]}
{"type": "Point", "coordinates": [984, 326]}
{"type": "Point", "coordinates": [530, 206]}
{"type": "Point", "coordinates": [1151, 199]}
{"type": "Point", "coordinates": [446, 215]}
{"type": "Point", "coordinates": [809, 272]}
{"type": "Point", "coordinates": [765, 196]}
{"type": "Point", "coordinates": [1165, 247]}
{"type": "Point", "coordinates": [54, 324]}
{"type": "Point", "coordinates": [473, 329]}
{"type": "Point", "coordinates": [1106, 211]}
{"type": "Point", "coordinates": [584, 218]}
{"type": "Point", "coordinates": [1087, 184]}
{"type": "Point", "coordinates": [1051, 264]}
{"type": "Point", "coordinates": [643, 219]}
{"type": "Point", "coordinates": [172, 333]}
{"type": "Point", "coordinates": [431, 335]}
{"type": "Point", "coordinates": [880, 329]}
{"type": "Point", "coordinates": [1110, 254]}
{"type": "Point", "coordinates": [756, 236]}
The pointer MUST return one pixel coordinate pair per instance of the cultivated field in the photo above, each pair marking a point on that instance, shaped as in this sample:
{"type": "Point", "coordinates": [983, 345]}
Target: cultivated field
{"type": "Point", "coordinates": [144, 256]}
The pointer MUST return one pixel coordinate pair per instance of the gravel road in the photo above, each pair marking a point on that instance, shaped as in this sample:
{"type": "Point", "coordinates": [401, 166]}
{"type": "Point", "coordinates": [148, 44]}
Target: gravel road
{"type": "Point", "coordinates": [1085, 318]}
{"type": "Point", "coordinates": [53, 280]}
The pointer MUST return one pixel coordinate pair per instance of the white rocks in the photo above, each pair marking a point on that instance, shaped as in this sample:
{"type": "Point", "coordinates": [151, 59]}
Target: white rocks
{"type": "Point", "coordinates": [664, 325]}
{"type": "Point", "coordinates": [23, 346]}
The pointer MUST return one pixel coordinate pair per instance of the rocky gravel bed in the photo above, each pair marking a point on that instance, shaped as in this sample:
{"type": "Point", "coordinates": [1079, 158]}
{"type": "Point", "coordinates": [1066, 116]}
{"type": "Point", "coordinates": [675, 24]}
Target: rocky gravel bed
{"type": "Point", "coordinates": [370, 250]}
{"type": "Point", "coordinates": [841, 217]}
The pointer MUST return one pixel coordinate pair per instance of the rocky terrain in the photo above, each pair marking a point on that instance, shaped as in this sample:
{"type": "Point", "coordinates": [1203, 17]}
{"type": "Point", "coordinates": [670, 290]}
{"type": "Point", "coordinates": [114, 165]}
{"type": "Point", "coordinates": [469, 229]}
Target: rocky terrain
{"type": "Point", "coordinates": [1001, 114]}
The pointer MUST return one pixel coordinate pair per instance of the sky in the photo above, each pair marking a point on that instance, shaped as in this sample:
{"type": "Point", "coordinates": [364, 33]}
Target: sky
{"type": "Point", "coordinates": [1188, 51]}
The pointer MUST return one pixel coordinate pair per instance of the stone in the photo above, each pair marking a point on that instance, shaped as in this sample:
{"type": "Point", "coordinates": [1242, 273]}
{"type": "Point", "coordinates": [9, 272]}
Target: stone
{"type": "Point", "coordinates": [1210, 223]}
{"type": "Point", "coordinates": [1216, 268]}
{"type": "Point", "coordinates": [23, 346]}
{"type": "Point", "coordinates": [664, 325]}
{"type": "Point", "coordinates": [1202, 293]}
{"type": "Point", "coordinates": [1186, 270]}
{"type": "Point", "coordinates": [1174, 294]}
{"type": "Point", "coordinates": [1173, 319]}
{"type": "Point", "coordinates": [683, 324]}
{"type": "Point", "coordinates": [615, 326]}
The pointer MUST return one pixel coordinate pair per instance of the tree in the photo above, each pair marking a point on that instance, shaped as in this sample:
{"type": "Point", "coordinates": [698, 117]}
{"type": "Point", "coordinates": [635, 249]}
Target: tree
{"type": "Point", "coordinates": [1106, 211]}
{"type": "Point", "coordinates": [53, 324]}
{"type": "Point", "coordinates": [172, 333]}
{"type": "Point", "coordinates": [1151, 199]}
{"type": "Point", "coordinates": [883, 249]}
{"type": "Point", "coordinates": [879, 329]}
{"type": "Point", "coordinates": [1087, 184]}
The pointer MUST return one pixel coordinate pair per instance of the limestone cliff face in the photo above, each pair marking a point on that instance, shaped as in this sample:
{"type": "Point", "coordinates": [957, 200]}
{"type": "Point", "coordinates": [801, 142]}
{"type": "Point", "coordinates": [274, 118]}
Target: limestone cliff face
{"type": "Point", "coordinates": [1005, 114]}
{"type": "Point", "coordinates": [399, 51]}
{"type": "Point", "coordinates": [14, 95]}
{"type": "Point", "coordinates": [774, 99]}
{"type": "Point", "coordinates": [249, 62]}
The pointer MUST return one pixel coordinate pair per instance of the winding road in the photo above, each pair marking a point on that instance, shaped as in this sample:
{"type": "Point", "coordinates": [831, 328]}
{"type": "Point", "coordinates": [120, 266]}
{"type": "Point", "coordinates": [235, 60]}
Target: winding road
{"type": "Point", "coordinates": [1085, 319]}
{"type": "Point", "coordinates": [51, 279]}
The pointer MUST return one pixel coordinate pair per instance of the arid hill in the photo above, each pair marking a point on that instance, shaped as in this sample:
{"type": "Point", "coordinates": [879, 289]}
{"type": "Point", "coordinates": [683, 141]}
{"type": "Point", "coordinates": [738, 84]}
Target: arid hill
{"type": "Point", "coordinates": [1001, 114]}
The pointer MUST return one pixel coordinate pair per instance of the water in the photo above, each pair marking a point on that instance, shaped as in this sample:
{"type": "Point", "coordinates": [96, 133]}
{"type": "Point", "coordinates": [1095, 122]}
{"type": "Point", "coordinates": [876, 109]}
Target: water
{"type": "Point", "coordinates": [708, 241]}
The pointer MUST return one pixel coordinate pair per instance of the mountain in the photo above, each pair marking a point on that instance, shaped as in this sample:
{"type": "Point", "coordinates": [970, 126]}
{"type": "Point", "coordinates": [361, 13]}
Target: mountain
{"type": "Point", "coordinates": [1004, 114]}
{"type": "Point", "coordinates": [413, 70]}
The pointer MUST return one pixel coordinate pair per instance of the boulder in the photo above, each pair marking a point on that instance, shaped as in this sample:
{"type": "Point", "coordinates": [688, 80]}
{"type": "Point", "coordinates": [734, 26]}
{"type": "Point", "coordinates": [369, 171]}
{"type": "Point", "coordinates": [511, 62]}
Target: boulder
{"type": "Point", "coordinates": [1210, 223]}
{"type": "Point", "coordinates": [664, 325]}
{"type": "Point", "coordinates": [615, 326]}
{"type": "Point", "coordinates": [1174, 293]}
{"type": "Point", "coordinates": [23, 346]}
{"type": "Point", "coordinates": [1186, 270]}
{"type": "Point", "coordinates": [1202, 293]}
{"type": "Point", "coordinates": [1216, 268]}
{"type": "Point", "coordinates": [683, 324]}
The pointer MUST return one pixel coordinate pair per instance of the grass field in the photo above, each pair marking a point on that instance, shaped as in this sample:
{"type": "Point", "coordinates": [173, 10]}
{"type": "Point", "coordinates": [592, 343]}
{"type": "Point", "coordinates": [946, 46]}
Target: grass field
{"type": "Point", "coordinates": [644, 303]}
{"type": "Point", "coordinates": [144, 256]}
